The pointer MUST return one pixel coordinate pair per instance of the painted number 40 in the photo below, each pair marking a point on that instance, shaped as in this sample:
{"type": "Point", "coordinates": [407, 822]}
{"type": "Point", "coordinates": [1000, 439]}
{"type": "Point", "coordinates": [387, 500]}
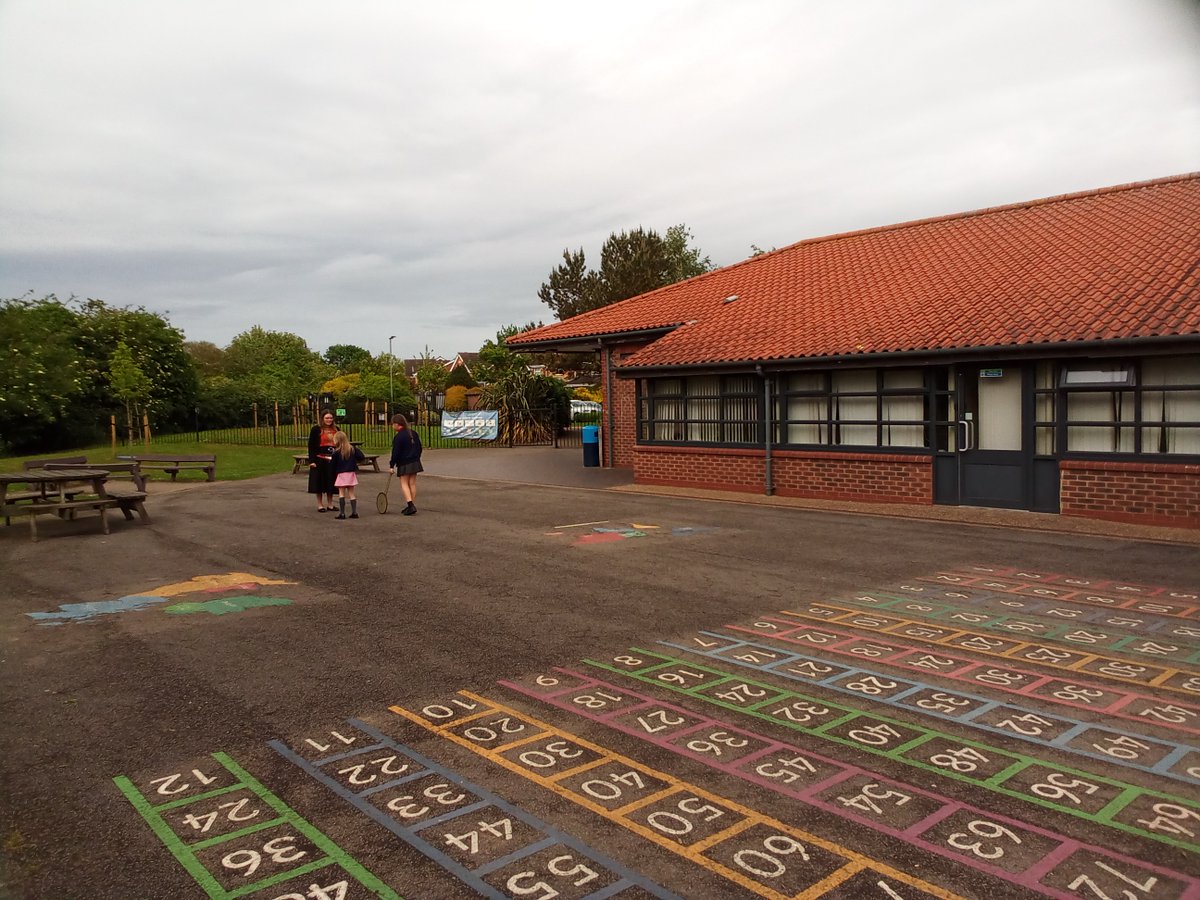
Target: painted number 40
{"type": "Point", "coordinates": [335, 891]}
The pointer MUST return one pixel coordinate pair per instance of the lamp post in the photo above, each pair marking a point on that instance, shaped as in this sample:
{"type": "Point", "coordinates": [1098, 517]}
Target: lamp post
{"type": "Point", "coordinates": [391, 377]}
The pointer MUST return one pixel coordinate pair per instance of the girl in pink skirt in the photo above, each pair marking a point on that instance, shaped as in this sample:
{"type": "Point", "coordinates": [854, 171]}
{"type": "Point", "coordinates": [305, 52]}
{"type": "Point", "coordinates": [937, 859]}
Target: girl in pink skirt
{"type": "Point", "coordinates": [346, 458]}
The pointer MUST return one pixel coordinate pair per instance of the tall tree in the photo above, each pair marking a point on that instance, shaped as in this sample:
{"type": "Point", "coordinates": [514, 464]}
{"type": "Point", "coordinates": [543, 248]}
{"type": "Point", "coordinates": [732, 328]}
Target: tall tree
{"type": "Point", "coordinates": [683, 261]}
{"type": "Point", "coordinates": [279, 362]}
{"type": "Point", "coordinates": [347, 358]}
{"type": "Point", "coordinates": [157, 349]}
{"type": "Point", "coordinates": [208, 358]}
{"type": "Point", "coordinates": [631, 263]}
{"type": "Point", "coordinates": [571, 288]}
{"type": "Point", "coordinates": [40, 373]}
{"type": "Point", "coordinates": [130, 386]}
{"type": "Point", "coordinates": [431, 378]}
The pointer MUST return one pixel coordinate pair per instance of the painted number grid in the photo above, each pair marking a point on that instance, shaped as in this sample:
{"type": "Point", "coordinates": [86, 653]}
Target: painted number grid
{"type": "Point", "coordinates": [1058, 605]}
{"type": "Point", "coordinates": [1143, 709]}
{"type": "Point", "coordinates": [236, 838]}
{"type": "Point", "coordinates": [1166, 759]}
{"type": "Point", "coordinates": [1099, 592]}
{"type": "Point", "coordinates": [1025, 855]}
{"type": "Point", "coordinates": [1096, 665]}
{"type": "Point", "coordinates": [467, 830]}
{"type": "Point", "coordinates": [1136, 810]}
{"type": "Point", "coordinates": [1175, 650]}
{"type": "Point", "coordinates": [759, 853]}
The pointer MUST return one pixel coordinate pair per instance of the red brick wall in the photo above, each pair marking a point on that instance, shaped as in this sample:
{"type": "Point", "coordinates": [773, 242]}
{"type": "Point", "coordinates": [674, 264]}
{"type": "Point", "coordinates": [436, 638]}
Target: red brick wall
{"type": "Point", "coordinates": [1145, 493]}
{"type": "Point", "coordinates": [865, 477]}
{"type": "Point", "coordinates": [620, 408]}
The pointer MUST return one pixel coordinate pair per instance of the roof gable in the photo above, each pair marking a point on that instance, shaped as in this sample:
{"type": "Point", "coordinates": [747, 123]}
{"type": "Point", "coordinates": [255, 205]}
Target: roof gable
{"type": "Point", "coordinates": [1116, 263]}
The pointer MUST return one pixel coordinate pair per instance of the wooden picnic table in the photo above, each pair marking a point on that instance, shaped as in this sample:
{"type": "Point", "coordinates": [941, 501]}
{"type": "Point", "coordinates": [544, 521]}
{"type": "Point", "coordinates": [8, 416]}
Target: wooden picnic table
{"type": "Point", "coordinates": [53, 491]}
{"type": "Point", "coordinates": [300, 460]}
{"type": "Point", "coordinates": [56, 491]}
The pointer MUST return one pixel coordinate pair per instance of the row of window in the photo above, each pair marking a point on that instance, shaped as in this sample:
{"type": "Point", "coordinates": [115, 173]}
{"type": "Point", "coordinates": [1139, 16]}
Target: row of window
{"type": "Point", "coordinates": [1148, 406]}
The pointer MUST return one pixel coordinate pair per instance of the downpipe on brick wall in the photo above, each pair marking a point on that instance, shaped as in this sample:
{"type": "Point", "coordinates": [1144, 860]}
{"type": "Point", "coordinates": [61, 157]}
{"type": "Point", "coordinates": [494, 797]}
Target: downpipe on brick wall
{"type": "Point", "coordinates": [769, 485]}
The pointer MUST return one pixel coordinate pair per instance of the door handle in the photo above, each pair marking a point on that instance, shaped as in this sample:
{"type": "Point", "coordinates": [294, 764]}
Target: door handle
{"type": "Point", "coordinates": [967, 434]}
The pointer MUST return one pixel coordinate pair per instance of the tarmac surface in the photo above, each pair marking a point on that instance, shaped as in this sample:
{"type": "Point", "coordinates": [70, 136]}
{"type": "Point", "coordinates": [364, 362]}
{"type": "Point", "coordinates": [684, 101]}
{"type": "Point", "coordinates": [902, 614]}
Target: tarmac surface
{"type": "Point", "coordinates": [553, 683]}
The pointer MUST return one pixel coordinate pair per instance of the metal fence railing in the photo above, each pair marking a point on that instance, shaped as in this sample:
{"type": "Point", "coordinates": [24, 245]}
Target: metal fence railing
{"type": "Point", "coordinates": [374, 437]}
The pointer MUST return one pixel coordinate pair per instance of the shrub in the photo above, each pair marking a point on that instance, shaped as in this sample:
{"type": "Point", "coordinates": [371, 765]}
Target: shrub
{"type": "Point", "coordinates": [456, 398]}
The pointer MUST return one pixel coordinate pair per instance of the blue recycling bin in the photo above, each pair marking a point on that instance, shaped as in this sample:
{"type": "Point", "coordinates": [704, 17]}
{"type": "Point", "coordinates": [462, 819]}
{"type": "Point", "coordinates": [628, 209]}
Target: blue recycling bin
{"type": "Point", "coordinates": [591, 445]}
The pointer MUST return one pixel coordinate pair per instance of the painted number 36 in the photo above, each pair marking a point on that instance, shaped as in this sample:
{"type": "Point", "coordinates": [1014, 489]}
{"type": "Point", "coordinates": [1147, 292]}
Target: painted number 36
{"type": "Point", "coordinates": [280, 850]}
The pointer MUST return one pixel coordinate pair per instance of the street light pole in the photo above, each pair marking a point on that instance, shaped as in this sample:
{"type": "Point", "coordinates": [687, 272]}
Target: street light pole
{"type": "Point", "coordinates": [391, 378]}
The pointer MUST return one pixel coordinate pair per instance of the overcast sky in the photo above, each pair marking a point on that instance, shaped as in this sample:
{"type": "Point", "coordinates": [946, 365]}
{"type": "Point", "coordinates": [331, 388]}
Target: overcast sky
{"type": "Point", "coordinates": [355, 170]}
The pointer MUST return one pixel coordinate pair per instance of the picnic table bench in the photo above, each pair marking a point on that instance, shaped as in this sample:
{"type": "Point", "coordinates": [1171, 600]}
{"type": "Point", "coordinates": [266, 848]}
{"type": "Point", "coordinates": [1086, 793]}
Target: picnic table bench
{"type": "Point", "coordinates": [64, 492]}
{"type": "Point", "coordinates": [300, 461]}
{"type": "Point", "coordinates": [127, 470]}
{"type": "Point", "coordinates": [174, 463]}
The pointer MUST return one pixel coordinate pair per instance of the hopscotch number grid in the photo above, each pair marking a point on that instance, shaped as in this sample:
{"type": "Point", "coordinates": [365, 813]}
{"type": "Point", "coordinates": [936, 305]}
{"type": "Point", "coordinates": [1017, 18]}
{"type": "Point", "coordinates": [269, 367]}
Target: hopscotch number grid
{"type": "Point", "coordinates": [761, 854]}
{"type": "Point", "coordinates": [914, 815]}
{"type": "Point", "coordinates": [225, 828]}
{"type": "Point", "coordinates": [465, 829]}
{"type": "Point", "coordinates": [1136, 810]}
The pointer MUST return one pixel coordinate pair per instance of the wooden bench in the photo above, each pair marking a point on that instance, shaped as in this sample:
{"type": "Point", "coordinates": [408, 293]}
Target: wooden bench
{"type": "Point", "coordinates": [55, 460]}
{"type": "Point", "coordinates": [129, 502]}
{"type": "Point", "coordinates": [300, 461]}
{"type": "Point", "coordinates": [173, 464]}
{"type": "Point", "coordinates": [62, 509]}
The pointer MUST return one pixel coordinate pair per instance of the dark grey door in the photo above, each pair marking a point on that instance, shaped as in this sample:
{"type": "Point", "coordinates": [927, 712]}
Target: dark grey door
{"type": "Point", "coordinates": [993, 460]}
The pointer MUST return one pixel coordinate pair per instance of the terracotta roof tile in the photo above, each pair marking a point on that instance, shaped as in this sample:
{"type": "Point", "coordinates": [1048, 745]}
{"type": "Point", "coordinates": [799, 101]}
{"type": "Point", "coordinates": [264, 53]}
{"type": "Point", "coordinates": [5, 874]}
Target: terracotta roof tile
{"type": "Point", "coordinates": [1120, 262]}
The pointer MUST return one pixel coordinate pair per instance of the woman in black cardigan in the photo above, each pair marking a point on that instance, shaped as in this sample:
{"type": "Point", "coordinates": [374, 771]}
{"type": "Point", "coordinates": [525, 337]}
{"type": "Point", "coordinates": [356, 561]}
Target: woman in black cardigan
{"type": "Point", "coordinates": [320, 461]}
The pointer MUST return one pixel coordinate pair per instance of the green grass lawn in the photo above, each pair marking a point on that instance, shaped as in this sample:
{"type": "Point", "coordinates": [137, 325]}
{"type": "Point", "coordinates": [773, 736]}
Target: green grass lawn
{"type": "Point", "coordinates": [235, 462]}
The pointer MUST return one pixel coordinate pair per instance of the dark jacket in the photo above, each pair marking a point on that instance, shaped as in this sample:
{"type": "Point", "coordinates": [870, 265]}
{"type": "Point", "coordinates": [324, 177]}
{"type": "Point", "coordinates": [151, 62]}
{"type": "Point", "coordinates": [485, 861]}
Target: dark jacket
{"type": "Point", "coordinates": [406, 448]}
{"type": "Point", "coordinates": [346, 463]}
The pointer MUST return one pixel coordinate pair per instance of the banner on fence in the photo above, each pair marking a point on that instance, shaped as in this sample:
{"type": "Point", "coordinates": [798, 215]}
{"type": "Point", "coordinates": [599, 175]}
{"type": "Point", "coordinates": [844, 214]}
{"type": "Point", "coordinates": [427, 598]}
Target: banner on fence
{"type": "Point", "coordinates": [473, 425]}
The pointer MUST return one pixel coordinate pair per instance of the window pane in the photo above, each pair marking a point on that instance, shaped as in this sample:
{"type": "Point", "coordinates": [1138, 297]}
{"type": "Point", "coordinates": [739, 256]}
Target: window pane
{"type": "Point", "coordinates": [903, 378]}
{"type": "Point", "coordinates": [903, 421]}
{"type": "Point", "coordinates": [1095, 408]}
{"type": "Point", "coordinates": [1173, 408]}
{"type": "Point", "coordinates": [807, 417]}
{"type": "Point", "coordinates": [806, 381]}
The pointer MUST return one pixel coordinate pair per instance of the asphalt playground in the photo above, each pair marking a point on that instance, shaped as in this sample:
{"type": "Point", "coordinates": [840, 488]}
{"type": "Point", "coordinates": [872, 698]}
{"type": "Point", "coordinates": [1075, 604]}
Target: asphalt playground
{"type": "Point", "coordinates": [553, 683]}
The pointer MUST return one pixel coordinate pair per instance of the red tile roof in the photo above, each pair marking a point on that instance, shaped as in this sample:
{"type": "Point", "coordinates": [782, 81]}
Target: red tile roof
{"type": "Point", "coordinates": [1116, 263]}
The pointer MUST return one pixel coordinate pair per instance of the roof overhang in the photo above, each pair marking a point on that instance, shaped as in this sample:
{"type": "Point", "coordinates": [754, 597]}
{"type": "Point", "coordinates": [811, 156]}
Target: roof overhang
{"type": "Point", "coordinates": [586, 342]}
{"type": "Point", "coordinates": [1006, 353]}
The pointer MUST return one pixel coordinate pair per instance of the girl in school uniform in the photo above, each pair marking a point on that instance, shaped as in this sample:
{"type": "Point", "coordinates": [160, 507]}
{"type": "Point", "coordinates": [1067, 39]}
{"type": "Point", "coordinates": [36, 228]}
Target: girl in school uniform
{"type": "Point", "coordinates": [346, 458]}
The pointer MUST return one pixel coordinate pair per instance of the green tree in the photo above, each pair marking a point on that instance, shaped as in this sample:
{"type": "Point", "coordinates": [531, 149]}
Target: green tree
{"type": "Point", "coordinates": [531, 406]}
{"type": "Point", "coordinates": [631, 263]}
{"type": "Point", "coordinates": [280, 363]}
{"type": "Point", "coordinates": [683, 261]}
{"type": "Point", "coordinates": [347, 358]}
{"type": "Point", "coordinates": [460, 377]}
{"type": "Point", "coordinates": [571, 288]}
{"type": "Point", "coordinates": [380, 387]}
{"type": "Point", "coordinates": [431, 379]}
{"type": "Point", "coordinates": [40, 375]}
{"type": "Point", "coordinates": [207, 357]}
{"type": "Point", "coordinates": [156, 348]}
{"type": "Point", "coordinates": [130, 386]}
